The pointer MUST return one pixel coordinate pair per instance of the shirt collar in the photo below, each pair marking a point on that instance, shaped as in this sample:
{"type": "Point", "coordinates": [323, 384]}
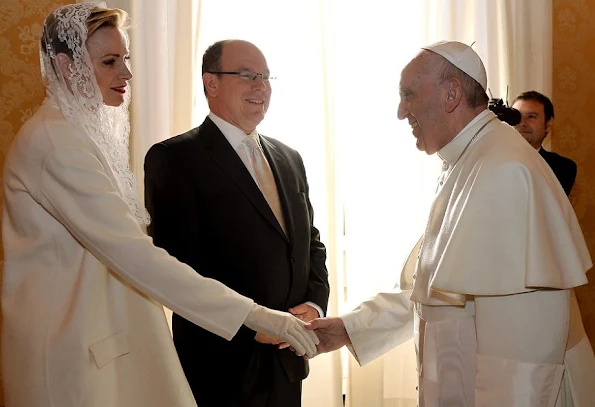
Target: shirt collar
{"type": "Point", "coordinates": [452, 151]}
{"type": "Point", "coordinates": [234, 135]}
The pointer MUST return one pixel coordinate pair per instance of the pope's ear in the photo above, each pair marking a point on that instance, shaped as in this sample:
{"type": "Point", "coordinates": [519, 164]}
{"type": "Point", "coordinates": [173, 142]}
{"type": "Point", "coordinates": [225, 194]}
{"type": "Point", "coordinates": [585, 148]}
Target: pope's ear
{"type": "Point", "coordinates": [454, 94]}
{"type": "Point", "coordinates": [64, 62]}
{"type": "Point", "coordinates": [210, 82]}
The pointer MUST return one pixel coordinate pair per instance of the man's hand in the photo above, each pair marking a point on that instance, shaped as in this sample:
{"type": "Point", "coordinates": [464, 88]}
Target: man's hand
{"type": "Point", "coordinates": [267, 339]}
{"type": "Point", "coordinates": [331, 332]}
{"type": "Point", "coordinates": [304, 312]}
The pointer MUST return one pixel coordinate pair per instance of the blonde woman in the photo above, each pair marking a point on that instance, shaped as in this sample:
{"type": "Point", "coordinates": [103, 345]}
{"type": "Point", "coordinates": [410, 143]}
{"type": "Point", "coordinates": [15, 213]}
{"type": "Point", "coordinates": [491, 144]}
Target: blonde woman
{"type": "Point", "coordinates": [80, 326]}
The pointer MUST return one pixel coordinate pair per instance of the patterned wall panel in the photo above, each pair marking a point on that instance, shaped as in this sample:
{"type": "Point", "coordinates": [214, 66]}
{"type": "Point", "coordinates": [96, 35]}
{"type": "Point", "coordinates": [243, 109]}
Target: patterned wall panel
{"type": "Point", "coordinates": [21, 91]}
{"type": "Point", "coordinates": [574, 102]}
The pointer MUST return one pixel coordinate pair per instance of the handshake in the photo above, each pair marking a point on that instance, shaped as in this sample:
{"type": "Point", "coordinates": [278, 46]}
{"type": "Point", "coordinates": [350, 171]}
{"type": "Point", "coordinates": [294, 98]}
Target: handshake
{"type": "Point", "coordinates": [309, 339]}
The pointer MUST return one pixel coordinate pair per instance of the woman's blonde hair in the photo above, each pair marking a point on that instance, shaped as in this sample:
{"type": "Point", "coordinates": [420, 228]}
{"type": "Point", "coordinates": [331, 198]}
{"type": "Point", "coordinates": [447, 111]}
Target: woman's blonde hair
{"type": "Point", "coordinates": [106, 17]}
{"type": "Point", "coordinates": [99, 17]}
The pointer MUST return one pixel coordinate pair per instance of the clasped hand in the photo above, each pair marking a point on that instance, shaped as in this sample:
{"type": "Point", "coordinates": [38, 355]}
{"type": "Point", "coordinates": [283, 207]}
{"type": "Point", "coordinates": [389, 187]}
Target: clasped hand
{"type": "Point", "coordinates": [285, 330]}
{"type": "Point", "coordinates": [331, 334]}
{"type": "Point", "coordinates": [284, 326]}
{"type": "Point", "coordinates": [304, 312]}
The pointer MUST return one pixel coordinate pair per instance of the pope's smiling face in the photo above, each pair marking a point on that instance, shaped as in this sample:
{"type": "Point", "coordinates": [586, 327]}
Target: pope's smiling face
{"type": "Point", "coordinates": [421, 92]}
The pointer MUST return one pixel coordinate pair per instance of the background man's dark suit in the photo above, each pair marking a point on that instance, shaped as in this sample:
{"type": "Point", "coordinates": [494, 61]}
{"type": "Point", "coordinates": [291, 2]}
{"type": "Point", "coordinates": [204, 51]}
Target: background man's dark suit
{"type": "Point", "coordinates": [208, 212]}
{"type": "Point", "coordinates": [564, 168]}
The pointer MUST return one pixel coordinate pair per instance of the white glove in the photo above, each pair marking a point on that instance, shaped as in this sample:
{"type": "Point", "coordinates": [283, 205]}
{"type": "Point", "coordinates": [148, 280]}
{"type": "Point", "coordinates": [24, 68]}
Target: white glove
{"type": "Point", "coordinates": [285, 326]}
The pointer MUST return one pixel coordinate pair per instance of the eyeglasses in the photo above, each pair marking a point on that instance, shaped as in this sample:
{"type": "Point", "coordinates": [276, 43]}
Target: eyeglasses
{"type": "Point", "coordinates": [246, 75]}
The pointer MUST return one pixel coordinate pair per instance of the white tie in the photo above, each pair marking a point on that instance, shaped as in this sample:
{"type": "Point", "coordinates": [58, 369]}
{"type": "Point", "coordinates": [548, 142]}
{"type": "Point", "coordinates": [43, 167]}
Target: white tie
{"type": "Point", "coordinates": [264, 177]}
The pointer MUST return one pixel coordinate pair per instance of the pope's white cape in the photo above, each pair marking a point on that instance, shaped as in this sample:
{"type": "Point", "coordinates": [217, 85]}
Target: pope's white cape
{"type": "Point", "coordinates": [500, 225]}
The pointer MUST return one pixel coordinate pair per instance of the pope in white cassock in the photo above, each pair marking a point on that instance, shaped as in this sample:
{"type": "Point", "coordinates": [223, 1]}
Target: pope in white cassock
{"type": "Point", "coordinates": [487, 293]}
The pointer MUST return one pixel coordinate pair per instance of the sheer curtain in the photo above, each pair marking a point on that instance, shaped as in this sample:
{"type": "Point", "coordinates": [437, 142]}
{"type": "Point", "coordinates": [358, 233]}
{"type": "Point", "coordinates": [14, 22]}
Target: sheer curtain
{"type": "Point", "coordinates": [162, 48]}
{"type": "Point", "coordinates": [335, 101]}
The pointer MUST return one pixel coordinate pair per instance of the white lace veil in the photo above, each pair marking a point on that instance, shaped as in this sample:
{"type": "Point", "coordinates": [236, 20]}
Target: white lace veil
{"type": "Point", "coordinates": [79, 97]}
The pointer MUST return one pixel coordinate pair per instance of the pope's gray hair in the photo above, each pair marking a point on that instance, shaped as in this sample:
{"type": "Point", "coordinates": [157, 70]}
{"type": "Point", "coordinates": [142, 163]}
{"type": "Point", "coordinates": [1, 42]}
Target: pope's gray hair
{"type": "Point", "coordinates": [474, 94]}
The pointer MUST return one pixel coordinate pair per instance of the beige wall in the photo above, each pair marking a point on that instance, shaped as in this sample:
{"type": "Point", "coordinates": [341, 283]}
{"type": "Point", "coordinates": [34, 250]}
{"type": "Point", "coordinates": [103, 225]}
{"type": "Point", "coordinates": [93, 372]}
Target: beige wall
{"type": "Point", "coordinates": [21, 90]}
{"type": "Point", "coordinates": [574, 133]}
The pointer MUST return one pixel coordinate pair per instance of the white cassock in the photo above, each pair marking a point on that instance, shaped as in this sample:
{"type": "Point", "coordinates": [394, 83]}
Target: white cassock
{"type": "Point", "coordinates": [492, 309]}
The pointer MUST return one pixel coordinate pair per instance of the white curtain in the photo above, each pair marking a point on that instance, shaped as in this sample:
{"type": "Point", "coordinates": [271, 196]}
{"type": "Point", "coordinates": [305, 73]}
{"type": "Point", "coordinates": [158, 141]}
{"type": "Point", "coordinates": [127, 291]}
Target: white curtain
{"type": "Point", "coordinates": [335, 101]}
{"type": "Point", "coordinates": [162, 48]}
{"type": "Point", "coordinates": [162, 41]}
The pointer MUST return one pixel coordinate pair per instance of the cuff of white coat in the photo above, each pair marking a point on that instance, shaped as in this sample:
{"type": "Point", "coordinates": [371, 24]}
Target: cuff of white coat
{"type": "Point", "coordinates": [237, 318]}
{"type": "Point", "coordinates": [506, 382]}
{"type": "Point", "coordinates": [316, 307]}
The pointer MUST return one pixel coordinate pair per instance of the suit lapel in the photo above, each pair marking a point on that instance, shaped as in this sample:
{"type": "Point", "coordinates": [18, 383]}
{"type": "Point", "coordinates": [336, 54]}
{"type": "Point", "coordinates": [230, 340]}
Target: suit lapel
{"type": "Point", "coordinates": [284, 182]}
{"type": "Point", "coordinates": [543, 153]}
{"type": "Point", "coordinates": [223, 156]}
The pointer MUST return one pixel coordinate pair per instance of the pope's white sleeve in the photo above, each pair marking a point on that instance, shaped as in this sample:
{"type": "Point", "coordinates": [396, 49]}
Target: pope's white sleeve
{"type": "Point", "coordinates": [379, 324]}
{"type": "Point", "coordinates": [521, 342]}
{"type": "Point", "coordinates": [76, 190]}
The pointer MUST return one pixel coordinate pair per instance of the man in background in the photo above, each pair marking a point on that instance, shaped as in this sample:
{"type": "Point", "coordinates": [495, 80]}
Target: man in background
{"type": "Point", "coordinates": [537, 112]}
{"type": "Point", "coordinates": [235, 206]}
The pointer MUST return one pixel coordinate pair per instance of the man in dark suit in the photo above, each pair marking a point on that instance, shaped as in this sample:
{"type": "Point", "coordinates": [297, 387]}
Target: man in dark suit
{"type": "Point", "coordinates": [234, 205]}
{"type": "Point", "coordinates": [537, 113]}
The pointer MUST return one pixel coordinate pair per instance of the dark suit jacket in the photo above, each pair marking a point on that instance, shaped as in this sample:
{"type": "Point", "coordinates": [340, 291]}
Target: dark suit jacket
{"type": "Point", "coordinates": [208, 212]}
{"type": "Point", "coordinates": [564, 168]}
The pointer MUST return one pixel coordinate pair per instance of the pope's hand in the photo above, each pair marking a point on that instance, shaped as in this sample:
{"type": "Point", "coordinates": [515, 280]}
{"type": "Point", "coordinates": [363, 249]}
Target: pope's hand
{"type": "Point", "coordinates": [331, 333]}
{"type": "Point", "coordinates": [284, 326]}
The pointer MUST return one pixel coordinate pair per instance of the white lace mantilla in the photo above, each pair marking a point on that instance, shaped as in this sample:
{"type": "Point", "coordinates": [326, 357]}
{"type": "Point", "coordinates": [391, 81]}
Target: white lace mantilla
{"type": "Point", "coordinates": [80, 98]}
